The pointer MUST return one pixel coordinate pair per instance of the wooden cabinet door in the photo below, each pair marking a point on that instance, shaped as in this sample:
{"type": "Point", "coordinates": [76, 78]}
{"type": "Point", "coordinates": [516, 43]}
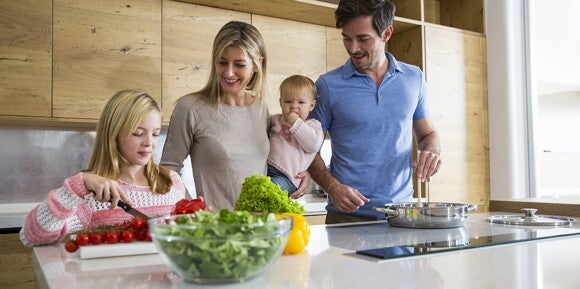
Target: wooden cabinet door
{"type": "Point", "coordinates": [188, 34]}
{"type": "Point", "coordinates": [457, 87]}
{"type": "Point", "coordinates": [292, 48]}
{"type": "Point", "coordinates": [101, 47]}
{"type": "Point", "coordinates": [25, 58]}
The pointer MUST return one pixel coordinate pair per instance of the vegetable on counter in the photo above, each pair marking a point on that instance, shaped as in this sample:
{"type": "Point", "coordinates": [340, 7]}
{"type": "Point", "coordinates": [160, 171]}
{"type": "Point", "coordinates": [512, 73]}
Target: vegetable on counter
{"type": "Point", "coordinates": [300, 234]}
{"type": "Point", "coordinates": [219, 245]}
{"type": "Point", "coordinates": [260, 194]}
{"type": "Point", "coordinates": [126, 232]}
{"type": "Point", "coordinates": [185, 206]}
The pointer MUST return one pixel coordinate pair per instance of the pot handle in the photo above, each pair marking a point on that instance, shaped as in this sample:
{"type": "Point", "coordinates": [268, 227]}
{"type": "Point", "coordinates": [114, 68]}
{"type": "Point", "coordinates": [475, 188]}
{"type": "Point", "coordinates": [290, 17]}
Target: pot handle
{"type": "Point", "coordinates": [471, 208]}
{"type": "Point", "coordinates": [390, 213]}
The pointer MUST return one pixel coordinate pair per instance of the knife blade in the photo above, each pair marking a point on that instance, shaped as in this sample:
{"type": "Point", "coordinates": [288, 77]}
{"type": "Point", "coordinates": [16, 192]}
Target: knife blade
{"type": "Point", "coordinates": [132, 211]}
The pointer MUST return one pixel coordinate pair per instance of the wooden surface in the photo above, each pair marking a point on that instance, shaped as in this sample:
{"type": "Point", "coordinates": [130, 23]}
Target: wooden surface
{"type": "Point", "coordinates": [188, 34]}
{"type": "Point", "coordinates": [456, 80]}
{"type": "Point", "coordinates": [15, 264]}
{"type": "Point", "coordinates": [408, 46]}
{"type": "Point", "coordinates": [293, 48]}
{"type": "Point", "coordinates": [544, 208]}
{"type": "Point", "coordinates": [25, 58]}
{"type": "Point", "coordinates": [462, 14]}
{"type": "Point", "coordinates": [101, 47]}
{"type": "Point", "coordinates": [316, 219]}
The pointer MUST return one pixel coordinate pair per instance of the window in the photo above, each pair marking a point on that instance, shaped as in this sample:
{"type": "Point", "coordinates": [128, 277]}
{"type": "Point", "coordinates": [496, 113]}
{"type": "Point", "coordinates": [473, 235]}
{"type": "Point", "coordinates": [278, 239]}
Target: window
{"type": "Point", "coordinates": [534, 98]}
{"type": "Point", "coordinates": [553, 30]}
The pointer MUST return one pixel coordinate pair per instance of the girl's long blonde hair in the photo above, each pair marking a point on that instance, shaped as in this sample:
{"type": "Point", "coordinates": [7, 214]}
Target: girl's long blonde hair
{"type": "Point", "coordinates": [246, 37]}
{"type": "Point", "coordinates": [120, 117]}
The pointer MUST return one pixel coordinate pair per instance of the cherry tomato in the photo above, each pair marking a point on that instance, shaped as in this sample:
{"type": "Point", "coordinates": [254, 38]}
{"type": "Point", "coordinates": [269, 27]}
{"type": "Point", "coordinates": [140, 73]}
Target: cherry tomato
{"type": "Point", "coordinates": [82, 239]}
{"type": "Point", "coordinates": [70, 246]}
{"type": "Point", "coordinates": [96, 238]}
{"type": "Point", "coordinates": [141, 234]}
{"type": "Point", "coordinates": [112, 237]}
{"type": "Point", "coordinates": [138, 223]}
{"type": "Point", "coordinates": [127, 236]}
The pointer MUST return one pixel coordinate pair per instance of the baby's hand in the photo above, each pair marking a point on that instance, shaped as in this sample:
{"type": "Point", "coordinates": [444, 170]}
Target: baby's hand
{"type": "Point", "coordinates": [291, 117]}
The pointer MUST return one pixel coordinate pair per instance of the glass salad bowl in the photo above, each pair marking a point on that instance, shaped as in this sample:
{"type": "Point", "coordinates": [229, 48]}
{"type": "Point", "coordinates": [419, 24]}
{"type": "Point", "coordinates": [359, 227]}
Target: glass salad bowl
{"type": "Point", "coordinates": [221, 247]}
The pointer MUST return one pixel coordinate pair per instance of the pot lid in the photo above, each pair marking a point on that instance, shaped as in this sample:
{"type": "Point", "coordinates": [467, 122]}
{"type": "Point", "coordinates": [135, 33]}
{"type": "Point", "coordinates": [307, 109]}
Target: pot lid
{"type": "Point", "coordinates": [531, 219]}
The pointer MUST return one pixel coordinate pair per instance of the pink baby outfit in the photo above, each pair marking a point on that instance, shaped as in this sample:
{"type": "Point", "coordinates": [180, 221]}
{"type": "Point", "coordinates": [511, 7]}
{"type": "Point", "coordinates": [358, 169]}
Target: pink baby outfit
{"type": "Point", "coordinates": [72, 208]}
{"type": "Point", "coordinates": [292, 148]}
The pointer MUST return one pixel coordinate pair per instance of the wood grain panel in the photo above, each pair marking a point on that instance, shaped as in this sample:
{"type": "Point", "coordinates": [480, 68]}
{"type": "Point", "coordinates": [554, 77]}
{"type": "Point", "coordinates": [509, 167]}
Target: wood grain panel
{"type": "Point", "coordinates": [408, 8]}
{"type": "Point", "coordinates": [407, 46]}
{"type": "Point", "coordinates": [188, 34]}
{"type": "Point", "coordinates": [336, 54]}
{"type": "Point", "coordinates": [25, 57]}
{"type": "Point", "coordinates": [455, 72]}
{"type": "Point", "coordinates": [464, 14]}
{"type": "Point", "coordinates": [309, 11]}
{"type": "Point", "coordinates": [15, 264]}
{"type": "Point", "coordinates": [292, 48]}
{"type": "Point", "coordinates": [101, 47]}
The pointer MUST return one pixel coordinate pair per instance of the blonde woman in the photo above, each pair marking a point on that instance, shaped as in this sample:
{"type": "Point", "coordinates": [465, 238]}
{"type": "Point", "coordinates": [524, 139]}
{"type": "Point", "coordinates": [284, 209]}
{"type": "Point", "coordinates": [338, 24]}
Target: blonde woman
{"type": "Point", "coordinates": [121, 167]}
{"type": "Point", "coordinates": [223, 127]}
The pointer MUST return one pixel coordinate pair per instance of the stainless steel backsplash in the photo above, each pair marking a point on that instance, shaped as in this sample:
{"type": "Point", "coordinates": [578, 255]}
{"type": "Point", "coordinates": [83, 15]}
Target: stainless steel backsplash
{"type": "Point", "coordinates": [34, 161]}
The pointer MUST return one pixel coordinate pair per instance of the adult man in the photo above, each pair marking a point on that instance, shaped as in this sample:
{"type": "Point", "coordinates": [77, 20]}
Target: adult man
{"type": "Point", "coordinates": [371, 107]}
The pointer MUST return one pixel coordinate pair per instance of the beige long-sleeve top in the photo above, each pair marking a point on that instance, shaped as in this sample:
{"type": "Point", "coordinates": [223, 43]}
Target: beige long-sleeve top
{"type": "Point", "coordinates": [226, 145]}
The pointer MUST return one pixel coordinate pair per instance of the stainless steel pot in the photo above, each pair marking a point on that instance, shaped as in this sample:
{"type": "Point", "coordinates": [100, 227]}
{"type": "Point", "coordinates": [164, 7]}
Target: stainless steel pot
{"type": "Point", "coordinates": [429, 216]}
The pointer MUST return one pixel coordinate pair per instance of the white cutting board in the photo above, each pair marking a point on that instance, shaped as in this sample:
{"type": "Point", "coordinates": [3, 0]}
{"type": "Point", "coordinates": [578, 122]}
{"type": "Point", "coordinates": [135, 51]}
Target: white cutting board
{"type": "Point", "coordinates": [119, 249]}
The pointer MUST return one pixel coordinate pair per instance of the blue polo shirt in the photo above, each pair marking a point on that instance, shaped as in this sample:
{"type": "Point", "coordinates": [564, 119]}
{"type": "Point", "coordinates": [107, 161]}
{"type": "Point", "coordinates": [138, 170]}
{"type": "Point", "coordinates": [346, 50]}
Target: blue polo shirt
{"type": "Point", "coordinates": [371, 129]}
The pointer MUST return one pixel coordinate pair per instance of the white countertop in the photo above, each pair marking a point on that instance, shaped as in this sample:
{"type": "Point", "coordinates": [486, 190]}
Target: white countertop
{"type": "Point", "coordinates": [329, 262]}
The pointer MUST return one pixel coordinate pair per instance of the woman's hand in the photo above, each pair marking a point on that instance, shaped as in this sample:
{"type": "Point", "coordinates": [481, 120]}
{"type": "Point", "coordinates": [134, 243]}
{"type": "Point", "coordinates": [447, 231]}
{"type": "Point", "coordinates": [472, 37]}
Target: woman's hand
{"type": "Point", "coordinates": [304, 185]}
{"type": "Point", "coordinates": [105, 190]}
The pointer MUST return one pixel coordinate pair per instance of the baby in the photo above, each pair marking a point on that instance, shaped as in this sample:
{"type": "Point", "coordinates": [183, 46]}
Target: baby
{"type": "Point", "coordinates": [294, 139]}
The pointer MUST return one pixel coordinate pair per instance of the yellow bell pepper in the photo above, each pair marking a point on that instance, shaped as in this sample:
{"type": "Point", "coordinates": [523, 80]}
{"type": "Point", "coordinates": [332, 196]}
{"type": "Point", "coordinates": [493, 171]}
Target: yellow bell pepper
{"type": "Point", "coordinates": [299, 235]}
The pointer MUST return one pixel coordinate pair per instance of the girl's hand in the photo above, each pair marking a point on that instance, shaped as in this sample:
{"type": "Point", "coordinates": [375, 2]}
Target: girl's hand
{"type": "Point", "coordinates": [105, 190]}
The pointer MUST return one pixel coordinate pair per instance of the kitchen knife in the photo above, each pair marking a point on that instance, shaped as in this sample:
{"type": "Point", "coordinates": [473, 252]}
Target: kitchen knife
{"type": "Point", "coordinates": [134, 212]}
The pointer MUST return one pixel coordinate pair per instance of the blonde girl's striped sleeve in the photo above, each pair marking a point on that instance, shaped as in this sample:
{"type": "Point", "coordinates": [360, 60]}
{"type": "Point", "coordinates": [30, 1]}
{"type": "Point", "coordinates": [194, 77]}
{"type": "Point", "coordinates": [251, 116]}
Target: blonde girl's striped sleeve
{"type": "Point", "coordinates": [52, 219]}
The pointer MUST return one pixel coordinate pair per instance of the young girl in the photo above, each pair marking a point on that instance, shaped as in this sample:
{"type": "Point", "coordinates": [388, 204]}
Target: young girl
{"type": "Point", "coordinates": [294, 139]}
{"type": "Point", "coordinates": [121, 167]}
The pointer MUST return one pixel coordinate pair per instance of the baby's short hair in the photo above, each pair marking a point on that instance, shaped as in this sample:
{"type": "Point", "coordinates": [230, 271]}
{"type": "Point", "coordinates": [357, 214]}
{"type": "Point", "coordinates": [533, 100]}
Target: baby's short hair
{"type": "Point", "coordinates": [299, 83]}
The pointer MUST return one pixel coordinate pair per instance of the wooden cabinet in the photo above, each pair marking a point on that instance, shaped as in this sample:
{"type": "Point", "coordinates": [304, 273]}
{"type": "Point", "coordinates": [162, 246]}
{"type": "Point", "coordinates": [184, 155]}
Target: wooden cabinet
{"type": "Point", "coordinates": [25, 58]}
{"type": "Point", "coordinates": [188, 34]}
{"type": "Point", "coordinates": [101, 47]}
{"type": "Point", "coordinates": [455, 69]}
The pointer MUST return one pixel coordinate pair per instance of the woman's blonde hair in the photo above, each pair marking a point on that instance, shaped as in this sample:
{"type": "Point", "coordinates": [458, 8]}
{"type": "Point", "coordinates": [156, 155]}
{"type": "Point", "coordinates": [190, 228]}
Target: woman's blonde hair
{"type": "Point", "coordinates": [248, 39]}
{"type": "Point", "coordinates": [120, 117]}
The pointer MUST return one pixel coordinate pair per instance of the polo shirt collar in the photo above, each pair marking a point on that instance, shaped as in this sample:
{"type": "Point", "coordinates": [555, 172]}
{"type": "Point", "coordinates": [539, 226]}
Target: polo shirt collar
{"type": "Point", "coordinates": [349, 69]}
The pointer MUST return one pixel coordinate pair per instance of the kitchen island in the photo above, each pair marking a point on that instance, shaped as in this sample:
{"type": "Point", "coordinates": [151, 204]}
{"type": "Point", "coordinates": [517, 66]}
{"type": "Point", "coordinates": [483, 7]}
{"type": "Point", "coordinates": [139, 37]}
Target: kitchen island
{"type": "Point", "coordinates": [542, 257]}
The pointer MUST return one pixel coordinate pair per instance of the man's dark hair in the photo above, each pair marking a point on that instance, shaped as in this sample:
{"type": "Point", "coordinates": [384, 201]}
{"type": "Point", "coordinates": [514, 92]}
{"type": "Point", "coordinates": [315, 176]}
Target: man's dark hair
{"type": "Point", "coordinates": [382, 11]}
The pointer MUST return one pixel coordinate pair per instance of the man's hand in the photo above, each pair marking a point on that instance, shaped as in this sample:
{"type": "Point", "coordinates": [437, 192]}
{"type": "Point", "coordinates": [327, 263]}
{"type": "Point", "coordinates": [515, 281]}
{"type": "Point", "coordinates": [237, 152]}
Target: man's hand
{"type": "Point", "coordinates": [345, 198]}
{"type": "Point", "coordinates": [426, 165]}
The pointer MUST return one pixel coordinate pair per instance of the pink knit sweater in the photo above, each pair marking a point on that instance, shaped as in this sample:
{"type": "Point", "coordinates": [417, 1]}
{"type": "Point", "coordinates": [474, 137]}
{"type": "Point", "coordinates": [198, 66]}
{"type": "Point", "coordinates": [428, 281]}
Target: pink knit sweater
{"type": "Point", "coordinates": [292, 148]}
{"type": "Point", "coordinates": [72, 208]}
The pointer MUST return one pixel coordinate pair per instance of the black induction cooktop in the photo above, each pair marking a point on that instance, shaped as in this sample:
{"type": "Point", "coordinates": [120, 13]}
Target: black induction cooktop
{"type": "Point", "coordinates": [470, 243]}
